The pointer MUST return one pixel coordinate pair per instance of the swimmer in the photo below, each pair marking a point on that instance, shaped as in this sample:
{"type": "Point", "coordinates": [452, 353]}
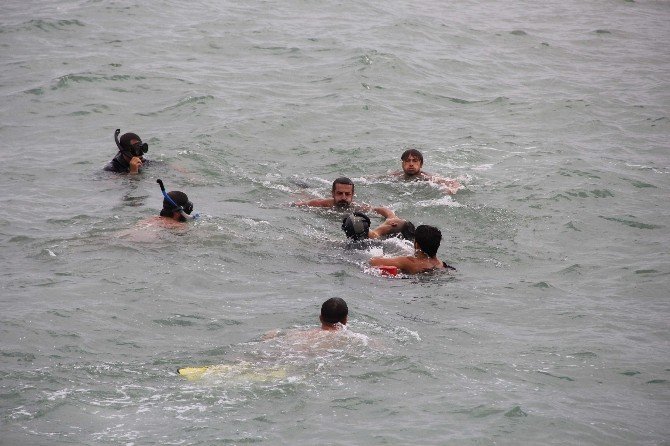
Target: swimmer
{"type": "Point", "coordinates": [334, 314]}
{"type": "Point", "coordinates": [176, 211]}
{"type": "Point", "coordinates": [334, 317]}
{"type": "Point", "coordinates": [343, 199]}
{"type": "Point", "coordinates": [356, 226]}
{"type": "Point", "coordinates": [412, 162]}
{"type": "Point", "coordinates": [426, 243]}
{"type": "Point", "coordinates": [175, 207]}
{"type": "Point", "coordinates": [314, 346]}
{"type": "Point", "coordinates": [130, 158]}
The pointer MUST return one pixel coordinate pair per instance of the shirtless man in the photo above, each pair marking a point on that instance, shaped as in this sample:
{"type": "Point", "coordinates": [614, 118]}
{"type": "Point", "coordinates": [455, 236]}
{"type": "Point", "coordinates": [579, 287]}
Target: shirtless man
{"type": "Point", "coordinates": [342, 199]}
{"type": "Point", "coordinates": [334, 316]}
{"type": "Point", "coordinates": [315, 342]}
{"type": "Point", "coordinates": [412, 162]}
{"type": "Point", "coordinates": [426, 243]}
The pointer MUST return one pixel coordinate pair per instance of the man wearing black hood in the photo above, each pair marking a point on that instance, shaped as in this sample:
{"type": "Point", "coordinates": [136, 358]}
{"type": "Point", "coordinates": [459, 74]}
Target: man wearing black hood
{"type": "Point", "coordinates": [130, 158]}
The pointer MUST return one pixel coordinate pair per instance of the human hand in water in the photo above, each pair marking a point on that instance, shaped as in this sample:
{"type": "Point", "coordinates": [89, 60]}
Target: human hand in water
{"type": "Point", "coordinates": [135, 164]}
{"type": "Point", "coordinates": [447, 185]}
{"type": "Point", "coordinates": [449, 190]}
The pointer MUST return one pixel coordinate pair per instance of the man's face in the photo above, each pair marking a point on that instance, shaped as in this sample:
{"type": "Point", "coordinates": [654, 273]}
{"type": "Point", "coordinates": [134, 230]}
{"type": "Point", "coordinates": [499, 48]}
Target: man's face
{"type": "Point", "coordinates": [412, 165]}
{"type": "Point", "coordinates": [343, 194]}
{"type": "Point", "coordinates": [129, 156]}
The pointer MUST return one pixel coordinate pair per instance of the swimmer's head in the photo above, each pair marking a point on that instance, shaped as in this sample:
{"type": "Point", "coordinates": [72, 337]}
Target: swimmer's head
{"type": "Point", "coordinates": [132, 144]}
{"type": "Point", "coordinates": [343, 191]}
{"type": "Point", "coordinates": [356, 226]}
{"type": "Point", "coordinates": [412, 161]}
{"type": "Point", "coordinates": [428, 239]}
{"type": "Point", "coordinates": [407, 230]}
{"type": "Point", "coordinates": [182, 202]}
{"type": "Point", "coordinates": [334, 310]}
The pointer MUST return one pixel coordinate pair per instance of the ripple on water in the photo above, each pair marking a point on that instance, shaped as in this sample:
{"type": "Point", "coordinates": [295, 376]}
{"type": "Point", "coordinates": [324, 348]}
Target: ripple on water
{"type": "Point", "coordinates": [72, 79]}
{"type": "Point", "coordinates": [480, 411]}
{"type": "Point", "coordinates": [631, 223]}
{"type": "Point", "coordinates": [44, 25]}
{"type": "Point", "coordinates": [564, 378]}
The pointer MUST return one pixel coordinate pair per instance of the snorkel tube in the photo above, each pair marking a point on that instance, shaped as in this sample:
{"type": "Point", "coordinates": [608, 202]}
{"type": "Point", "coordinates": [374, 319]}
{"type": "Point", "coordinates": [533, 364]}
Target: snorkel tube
{"type": "Point", "coordinates": [138, 149]}
{"type": "Point", "coordinates": [116, 140]}
{"type": "Point", "coordinates": [179, 209]}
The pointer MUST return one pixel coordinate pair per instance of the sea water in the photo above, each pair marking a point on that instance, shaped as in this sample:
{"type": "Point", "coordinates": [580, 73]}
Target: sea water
{"type": "Point", "coordinates": [553, 115]}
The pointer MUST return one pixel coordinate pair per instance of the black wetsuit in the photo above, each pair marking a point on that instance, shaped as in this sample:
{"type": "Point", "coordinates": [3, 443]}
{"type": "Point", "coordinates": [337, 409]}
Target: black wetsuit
{"type": "Point", "coordinates": [119, 164]}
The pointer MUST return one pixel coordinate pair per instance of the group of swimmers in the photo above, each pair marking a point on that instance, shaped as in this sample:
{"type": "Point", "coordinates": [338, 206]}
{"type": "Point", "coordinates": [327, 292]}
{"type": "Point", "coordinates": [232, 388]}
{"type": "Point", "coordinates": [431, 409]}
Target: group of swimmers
{"type": "Point", "coordinates": [177, 208]}
{"type": "Point", "coordinates": [356, 224]}
{"type": "Point", "coordinates": [130, 160]}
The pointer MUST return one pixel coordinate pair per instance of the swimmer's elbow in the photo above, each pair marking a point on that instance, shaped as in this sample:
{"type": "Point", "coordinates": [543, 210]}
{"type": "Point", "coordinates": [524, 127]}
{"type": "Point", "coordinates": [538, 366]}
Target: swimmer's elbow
{"type": "Point", "coordinates": [385, 212]}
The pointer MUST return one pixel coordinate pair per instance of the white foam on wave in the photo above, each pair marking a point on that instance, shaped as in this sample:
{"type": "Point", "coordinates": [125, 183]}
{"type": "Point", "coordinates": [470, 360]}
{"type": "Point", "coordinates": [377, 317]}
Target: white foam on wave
{"type": "Point", "coordinates": [405, 334]}
{"type": "Point", "coordinates": [279, 187]}
{"type": "Point", "coordinates": [443, 201]}
{"type": "Point", "coordinates": [655, 169]}
{"type": "Point", "coordinates": [58, 394]}
{"type": "Point", "coordinates": [251, 222]}
{"type": "Point", "coordinates": [403, 245]}
{"type": "Point", "coordinates": [375, 251]}
{"type": "Point", "coordinates": [364, 339]}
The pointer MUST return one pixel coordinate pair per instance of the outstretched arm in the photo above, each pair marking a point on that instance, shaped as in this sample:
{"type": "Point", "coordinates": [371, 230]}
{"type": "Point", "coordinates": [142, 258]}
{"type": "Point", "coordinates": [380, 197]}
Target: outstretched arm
{"type": "Point", "coordinates": [384, 212]}
{"type": "Point", "coordinates": [317, 202]}
{"type": "Point", "coordinates": [404, 264]}
{"type": "Point", "coordinates": [392, 225]}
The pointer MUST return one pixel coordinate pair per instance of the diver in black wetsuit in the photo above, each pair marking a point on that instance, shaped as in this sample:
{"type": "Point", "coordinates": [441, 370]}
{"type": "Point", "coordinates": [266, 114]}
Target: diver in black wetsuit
{"type": "Point", "coordinates": [130, 158]}
{"type": "Point", "coordinates": [356, 226]}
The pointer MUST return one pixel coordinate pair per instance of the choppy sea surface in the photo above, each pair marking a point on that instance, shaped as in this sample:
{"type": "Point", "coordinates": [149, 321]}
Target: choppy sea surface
{"type": "Point", "coordinates": [553, 115]}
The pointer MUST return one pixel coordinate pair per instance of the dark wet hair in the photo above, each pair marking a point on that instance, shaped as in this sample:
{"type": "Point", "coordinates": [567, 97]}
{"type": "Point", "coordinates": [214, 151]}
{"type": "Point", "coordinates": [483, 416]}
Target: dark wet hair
{"type": "Point", "coordinates": [334, 310]}
{"type": "Point", "coordinates": [408, 230]}
{"type": "Point", "coordinates": [343, 180]}
{"type": "Point", "coordinates": [411, 152]}
{"type": "Point", "coordinates": [181, 199]}
{"type": "Point", "coordinates": [126, 138]}
{"type": "Point", "coordinates": [356, 226]}
{"type": "Point", "coordinates": [428, 238]}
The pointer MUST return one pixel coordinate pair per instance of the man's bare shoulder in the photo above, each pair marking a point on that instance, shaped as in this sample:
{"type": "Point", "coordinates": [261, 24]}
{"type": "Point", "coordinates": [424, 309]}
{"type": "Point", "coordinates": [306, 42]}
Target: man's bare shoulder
{"type": "Point", "coordinates": [162, 222]}
{"type": "Point", "coordinates": [402, 262]}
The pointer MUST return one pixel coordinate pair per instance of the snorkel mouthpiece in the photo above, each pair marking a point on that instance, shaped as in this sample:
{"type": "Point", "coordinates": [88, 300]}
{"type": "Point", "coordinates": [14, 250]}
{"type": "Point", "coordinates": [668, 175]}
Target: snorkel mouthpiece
{"type": "Point", "coordinates": [185, 210]}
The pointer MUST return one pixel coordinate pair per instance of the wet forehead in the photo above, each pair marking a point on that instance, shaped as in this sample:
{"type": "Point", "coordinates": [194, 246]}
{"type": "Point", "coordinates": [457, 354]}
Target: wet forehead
{"type": "Point", "coordinates": [343, 188]}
